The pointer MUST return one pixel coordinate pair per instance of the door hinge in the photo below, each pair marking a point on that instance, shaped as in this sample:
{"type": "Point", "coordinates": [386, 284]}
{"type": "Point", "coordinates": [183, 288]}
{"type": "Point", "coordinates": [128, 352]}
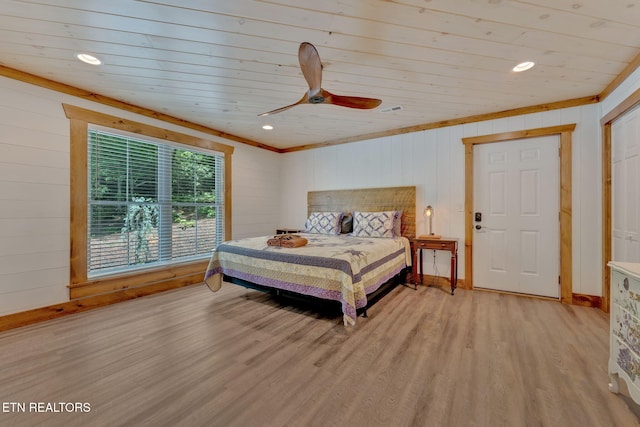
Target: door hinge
{"type": "Point", "coordinates": [558, 280]}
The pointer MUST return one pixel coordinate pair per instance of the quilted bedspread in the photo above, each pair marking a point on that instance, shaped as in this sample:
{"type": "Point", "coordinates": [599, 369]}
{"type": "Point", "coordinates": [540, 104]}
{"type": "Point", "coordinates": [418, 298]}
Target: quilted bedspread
{"type": "Point", "coordinates": [340, 268]}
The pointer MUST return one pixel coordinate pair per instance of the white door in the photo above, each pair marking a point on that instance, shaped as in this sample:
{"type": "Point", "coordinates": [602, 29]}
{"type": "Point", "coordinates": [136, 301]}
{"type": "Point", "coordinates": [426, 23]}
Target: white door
{"type": "Point", "coordinates": [625, 183]}
{"type": "Point", "coordinates": [516, 242]}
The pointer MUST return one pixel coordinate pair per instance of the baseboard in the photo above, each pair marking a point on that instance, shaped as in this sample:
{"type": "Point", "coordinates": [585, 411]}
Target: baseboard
{"type": "Point", "coordinates": [441, 281]}
{"type": "Point", "coordinates": [29, 317]}
{"type": "Point", "coordinates": [586, 300]}
{"type": "Point", "coordinates": [24, 318]}
{"type": "Point", "coordinates": [577, 299]}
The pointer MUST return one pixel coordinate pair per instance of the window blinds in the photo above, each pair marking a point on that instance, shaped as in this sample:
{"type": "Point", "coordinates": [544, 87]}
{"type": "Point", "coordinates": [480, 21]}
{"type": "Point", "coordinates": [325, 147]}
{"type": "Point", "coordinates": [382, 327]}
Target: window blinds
{"type": "Point", "coordinates": [150, 203]}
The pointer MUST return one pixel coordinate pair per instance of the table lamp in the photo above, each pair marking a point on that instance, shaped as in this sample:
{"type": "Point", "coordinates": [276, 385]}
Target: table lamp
{"type": "Point", "coordinates": [428, 212]}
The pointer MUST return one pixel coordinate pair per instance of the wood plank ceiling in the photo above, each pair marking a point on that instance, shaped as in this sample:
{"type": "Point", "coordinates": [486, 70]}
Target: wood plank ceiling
{"type": "Point", "coordinates": [220, 63]}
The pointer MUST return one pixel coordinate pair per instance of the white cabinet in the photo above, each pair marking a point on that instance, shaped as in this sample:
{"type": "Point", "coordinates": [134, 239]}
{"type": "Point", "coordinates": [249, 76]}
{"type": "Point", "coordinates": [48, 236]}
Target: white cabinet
{"type": "Point", "coordinates": [624, 350]}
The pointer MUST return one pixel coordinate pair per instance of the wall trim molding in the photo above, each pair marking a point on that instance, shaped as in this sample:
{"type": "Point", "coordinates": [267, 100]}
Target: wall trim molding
{"type": "Point", "coordinates": [105, 100]}
{"type": "Point", "coordinates": [37, 315]}
{"type": "Point", "coordinates": [587, 300]}
{"type": "Point", "coordinates": [442, 282]}
{"type": "Point", "coordinates": [594, 99]}
{"type": "Point", "coordinates": [111, 102]}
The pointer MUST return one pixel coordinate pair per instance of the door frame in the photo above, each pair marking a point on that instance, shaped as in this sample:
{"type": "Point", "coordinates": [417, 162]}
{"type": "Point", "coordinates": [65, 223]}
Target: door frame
{"type": "Point", "coordinates": [606, 122]}
{"type": "Point", "coordinates": [565, 132]}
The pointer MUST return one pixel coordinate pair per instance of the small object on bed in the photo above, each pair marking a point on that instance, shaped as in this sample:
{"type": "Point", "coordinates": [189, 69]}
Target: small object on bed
{"type": "Point", "coordinates": [292, 241]}
{"type": "Point", "coordinates": [274, 241]}
{"type": "Point", "coordinates": [287, 241]}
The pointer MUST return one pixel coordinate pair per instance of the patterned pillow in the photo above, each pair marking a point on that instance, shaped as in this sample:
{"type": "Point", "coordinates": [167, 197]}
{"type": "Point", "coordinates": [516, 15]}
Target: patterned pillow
{"type": "Point", "coordinates": [374, 224]}
{"type": "Point", "coordinates": [346, 224]}
{"type": "Point", "coordinates": [324, 223]}
{"type": "Point", "coordinates": [397, 225]}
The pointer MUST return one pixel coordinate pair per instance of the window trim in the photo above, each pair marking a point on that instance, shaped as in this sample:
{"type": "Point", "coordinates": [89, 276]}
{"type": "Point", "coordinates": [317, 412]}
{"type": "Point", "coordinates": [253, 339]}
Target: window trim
{"type": "Point", "coordinates": [161, 277]}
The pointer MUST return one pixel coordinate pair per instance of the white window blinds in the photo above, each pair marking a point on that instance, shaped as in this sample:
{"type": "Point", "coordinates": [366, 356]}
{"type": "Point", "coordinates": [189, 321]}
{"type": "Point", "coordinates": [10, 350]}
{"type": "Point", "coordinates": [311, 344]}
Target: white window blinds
{"type": "Point", "coordinates": [150, 203]}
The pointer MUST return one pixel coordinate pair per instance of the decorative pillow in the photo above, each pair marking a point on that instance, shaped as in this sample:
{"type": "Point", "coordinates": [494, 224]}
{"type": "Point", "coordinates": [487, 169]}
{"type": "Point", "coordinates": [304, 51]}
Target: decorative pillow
{"type": "Point", "coordinates": [374, 224]}
{"type": "Point", "coordinates": [324, 223]}
{"type": "Point", "coordinates": [346, 225]}
{"type": "Point", "coordinates": [397, 225]}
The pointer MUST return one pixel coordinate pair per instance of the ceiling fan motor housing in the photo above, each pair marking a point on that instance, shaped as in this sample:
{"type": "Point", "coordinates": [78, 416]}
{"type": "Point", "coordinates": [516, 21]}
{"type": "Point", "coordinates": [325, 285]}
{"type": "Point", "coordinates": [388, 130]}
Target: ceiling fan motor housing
{"type": "Point", "coordinates": [316, 99]}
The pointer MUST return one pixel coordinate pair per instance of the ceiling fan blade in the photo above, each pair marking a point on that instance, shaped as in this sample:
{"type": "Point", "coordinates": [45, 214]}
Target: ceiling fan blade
{"type": "Point", "coordinates": [312, 71]}
{"type": "Point", "coordinates": [303, 100]}
{"type": "Point", "coordinates": [350, 101]}
{"type": "Point", "coordinates": [311, 67]}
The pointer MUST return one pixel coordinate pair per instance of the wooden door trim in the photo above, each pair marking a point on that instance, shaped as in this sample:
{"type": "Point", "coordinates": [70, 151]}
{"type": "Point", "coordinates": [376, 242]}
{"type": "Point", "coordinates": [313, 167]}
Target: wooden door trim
{"type": "Point", "coordinates": [565, 132]}
{"type": "Point", "coordinates": [606, 122]}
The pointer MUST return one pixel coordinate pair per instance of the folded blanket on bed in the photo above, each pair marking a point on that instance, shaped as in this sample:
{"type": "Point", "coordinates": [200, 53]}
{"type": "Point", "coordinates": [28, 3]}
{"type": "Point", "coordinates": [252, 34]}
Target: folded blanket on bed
{"type": "Point", "coordinates": [287, 241]}
{"type": "Point", "coordinates": [293, 241]}
{"type": "Point", "coordinates": [274, 241]}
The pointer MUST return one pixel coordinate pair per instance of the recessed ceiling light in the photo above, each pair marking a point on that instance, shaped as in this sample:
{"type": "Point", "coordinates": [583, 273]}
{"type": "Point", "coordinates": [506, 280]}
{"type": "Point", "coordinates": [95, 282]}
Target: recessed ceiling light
{"type": "Point", "coordinates": [89, 59]}
{"type": "Point", "coordinates": [267, 127]}
{"type": "Point", "coordinates": [523, 66]}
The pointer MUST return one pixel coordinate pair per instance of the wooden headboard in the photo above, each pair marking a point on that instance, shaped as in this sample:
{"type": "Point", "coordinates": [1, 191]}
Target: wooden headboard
{"type": "Point", "coordinates": [368, 200]}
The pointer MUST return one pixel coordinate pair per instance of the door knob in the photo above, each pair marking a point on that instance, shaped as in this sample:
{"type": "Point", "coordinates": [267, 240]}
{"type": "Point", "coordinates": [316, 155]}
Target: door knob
{"type": "Point", "coordinates": [478, 227]}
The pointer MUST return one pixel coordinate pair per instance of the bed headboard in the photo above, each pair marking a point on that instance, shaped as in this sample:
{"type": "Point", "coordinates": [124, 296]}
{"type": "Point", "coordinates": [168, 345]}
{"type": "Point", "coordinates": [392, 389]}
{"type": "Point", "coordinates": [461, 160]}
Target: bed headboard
{"type": "Point", "coordinates": [369, 200]}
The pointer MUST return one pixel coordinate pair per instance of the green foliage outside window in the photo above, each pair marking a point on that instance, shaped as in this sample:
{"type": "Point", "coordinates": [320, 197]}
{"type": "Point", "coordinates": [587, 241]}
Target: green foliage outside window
{"type": "Point", "coordinates": [192, 181]}
{"type": "Point", "coordinates": [128, 183]}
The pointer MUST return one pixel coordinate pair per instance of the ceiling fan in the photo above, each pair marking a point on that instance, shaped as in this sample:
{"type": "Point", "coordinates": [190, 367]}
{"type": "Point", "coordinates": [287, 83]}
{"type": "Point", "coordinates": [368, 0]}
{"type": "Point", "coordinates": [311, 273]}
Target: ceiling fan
{"type": "Point", "coordinates": [312, 70]}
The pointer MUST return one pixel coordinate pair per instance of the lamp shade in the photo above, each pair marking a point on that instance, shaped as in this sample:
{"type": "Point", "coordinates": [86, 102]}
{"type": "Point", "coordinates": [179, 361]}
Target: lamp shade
{"type": "Point", "coordinates": [428, 212]}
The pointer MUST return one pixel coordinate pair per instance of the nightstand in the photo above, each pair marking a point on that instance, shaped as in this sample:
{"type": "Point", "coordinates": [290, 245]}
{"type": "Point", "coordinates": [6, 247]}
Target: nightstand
{"type": "Point", "coordinates": [288, 230]}
{"type": "Point", "coordinates": [442, 244]}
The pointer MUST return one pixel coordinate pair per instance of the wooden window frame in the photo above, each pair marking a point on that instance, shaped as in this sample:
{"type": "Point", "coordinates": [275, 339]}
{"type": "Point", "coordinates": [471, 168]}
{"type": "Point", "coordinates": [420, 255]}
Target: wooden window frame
{"type": "Point", "coordinates": [158, 278]}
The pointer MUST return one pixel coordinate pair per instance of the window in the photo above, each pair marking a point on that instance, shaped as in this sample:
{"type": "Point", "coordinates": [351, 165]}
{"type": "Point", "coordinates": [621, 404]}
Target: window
{"type": "Point", "coordinates": [147, 207]}
{"type": "Point", "coordinates": [150, 203]}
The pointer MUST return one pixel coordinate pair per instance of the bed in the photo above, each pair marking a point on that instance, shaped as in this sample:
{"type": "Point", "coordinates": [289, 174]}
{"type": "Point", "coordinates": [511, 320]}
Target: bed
{"type": "Point", "coordinates": [333, 264]}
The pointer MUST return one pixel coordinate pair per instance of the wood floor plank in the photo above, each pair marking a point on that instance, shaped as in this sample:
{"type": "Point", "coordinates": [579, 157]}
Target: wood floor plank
{"type": "Point", "coordinates": [190, 357]}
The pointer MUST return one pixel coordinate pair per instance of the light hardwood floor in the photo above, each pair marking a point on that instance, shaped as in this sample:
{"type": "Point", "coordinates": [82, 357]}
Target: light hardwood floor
{"type": "Point", "coordinates": [191, 357]}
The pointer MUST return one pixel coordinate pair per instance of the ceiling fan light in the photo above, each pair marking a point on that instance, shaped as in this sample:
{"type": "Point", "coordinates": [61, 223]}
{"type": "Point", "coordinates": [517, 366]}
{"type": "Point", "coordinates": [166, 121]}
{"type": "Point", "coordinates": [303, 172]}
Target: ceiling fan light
{"type": "Point", "coordinates": [523, 66]}
{"type": "Point", "coordinates": [267, 127]}
{"type": "Point", "coordinates": [89, 59]}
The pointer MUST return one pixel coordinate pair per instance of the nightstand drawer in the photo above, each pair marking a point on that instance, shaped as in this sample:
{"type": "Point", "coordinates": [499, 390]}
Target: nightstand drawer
{"type": "Point", "coordinates": [436, 244]}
